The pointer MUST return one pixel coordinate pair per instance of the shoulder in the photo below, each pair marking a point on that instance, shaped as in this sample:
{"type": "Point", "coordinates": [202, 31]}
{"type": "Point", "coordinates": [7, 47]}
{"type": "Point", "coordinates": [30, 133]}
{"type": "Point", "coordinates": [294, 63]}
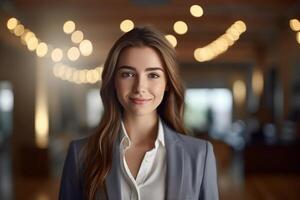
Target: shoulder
{"type": "Point", "coordinates": [76, 149]}
{"type": "Point", "coordinates": [79, 143]}
{"type": "Point", "coordinates": [193, 143]}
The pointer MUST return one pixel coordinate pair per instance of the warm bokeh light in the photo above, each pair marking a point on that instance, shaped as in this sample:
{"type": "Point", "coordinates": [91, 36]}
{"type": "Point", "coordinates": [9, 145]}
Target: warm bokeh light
{"type": "Point", "coordinates": [221, 44]}
{"type": "Point", "coordinates": [180, 27]}
{"type": "Point", "coordinates": [41, 122]}
{"type": "Point", "coordinates": [32, 43]}
{"type": "Point", "coordinates": [298, 37]}
{"type": "Point", "coordinates": [77, 37]}
{"type": "Point", "coordinates": [99, 70]}
{"type": "Point", "coordinates": [204, 53]}
{"type": "Point", "coordinates": [61, 70]}
{"type": "Point", "coordinates": [41, 125]}
{"type": "Point", "coordinates": [12, 23]}
{"type": "Point", "coordinates": [196, 10]}
{"type": "Point", "coordinates": [19, 30]}
{"type": "Point", "coordinates": [257, 82]}
{"type": "Point", "coordinates": [198, 54]}
{"type": "Point", "coordinates": [126, 25]}
{"type": "Point", "coordinates": [239, 91]}
{"type": "Point", "coordinates": [82, 76]}
{"type": "Point", "coordinates": [69, 27]}
{"type": "Point", "coordinates": [57, 55]}
{"type": "Point", "coordinates": [235, 34]}
{"type": "Point", "coordinates": [90, 77]}
{"type": "Point", "coordinates": [22, 37]}
{"type": "Point", "coordinates": [240, 26]}
{"type": "Point", "coordinates": [67, 73]}
{"type": "Point", "coordinates": [295, 24]}
{"type": "Point", "coordinates": [172, 39]}
{"type": "Point", "coordinates": [75, 76]}
{"type": "Point", "coordinates": [229, 38]}
{"type": "Point", "coordinates": [71, 74]}
{"type": "Point", "coordinates": [27, 35]}
{"type": "Point", "coordinates": [42, 49]}
{"type": "Point", "coordinates": [97, 74]}
{"type": "Point", "coordinates": [86, 48]}
{"type": "Point", "coordinates": [73, 53]}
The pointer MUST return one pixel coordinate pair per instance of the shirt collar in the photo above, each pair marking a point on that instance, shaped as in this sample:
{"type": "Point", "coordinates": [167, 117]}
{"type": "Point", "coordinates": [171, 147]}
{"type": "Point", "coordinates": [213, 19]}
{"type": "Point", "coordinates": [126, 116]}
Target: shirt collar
{"type": "Point", "coordinates": [125, 140]}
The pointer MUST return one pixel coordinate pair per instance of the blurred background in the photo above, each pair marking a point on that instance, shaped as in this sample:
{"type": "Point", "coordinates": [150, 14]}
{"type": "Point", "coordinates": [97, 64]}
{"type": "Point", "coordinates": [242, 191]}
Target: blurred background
{"type": "Point", "coordinates": [240, 62]}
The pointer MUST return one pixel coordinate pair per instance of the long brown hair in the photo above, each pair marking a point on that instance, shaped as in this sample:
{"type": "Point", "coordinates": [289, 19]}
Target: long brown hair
{"type": "Point", "coordinates": [99, 148]}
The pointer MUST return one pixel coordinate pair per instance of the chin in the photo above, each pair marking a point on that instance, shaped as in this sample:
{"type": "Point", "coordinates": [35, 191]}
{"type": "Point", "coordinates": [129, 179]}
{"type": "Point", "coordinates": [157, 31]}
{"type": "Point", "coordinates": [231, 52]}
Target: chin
{"type": "Point", "coordinates": [142, 112]}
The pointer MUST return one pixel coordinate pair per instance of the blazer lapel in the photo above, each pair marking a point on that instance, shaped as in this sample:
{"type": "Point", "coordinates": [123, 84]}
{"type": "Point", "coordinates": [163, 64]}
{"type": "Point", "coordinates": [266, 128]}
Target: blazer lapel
{"type": "Point", "coordinates": [112, 181]}
{"type": "Point", "coordinates": [175, 165]}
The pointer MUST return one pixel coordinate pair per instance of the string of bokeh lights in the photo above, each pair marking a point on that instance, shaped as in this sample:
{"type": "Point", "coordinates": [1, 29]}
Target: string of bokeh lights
{"type": "Point", "coordinates": [295, 26]}
{"type": "Point", "coordinates": [84, 47]}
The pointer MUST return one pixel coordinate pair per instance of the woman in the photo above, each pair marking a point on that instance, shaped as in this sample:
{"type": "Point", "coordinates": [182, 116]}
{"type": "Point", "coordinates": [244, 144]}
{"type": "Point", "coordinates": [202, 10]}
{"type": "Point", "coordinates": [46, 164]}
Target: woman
{"type": "Point", "coordinates": [140, 150]}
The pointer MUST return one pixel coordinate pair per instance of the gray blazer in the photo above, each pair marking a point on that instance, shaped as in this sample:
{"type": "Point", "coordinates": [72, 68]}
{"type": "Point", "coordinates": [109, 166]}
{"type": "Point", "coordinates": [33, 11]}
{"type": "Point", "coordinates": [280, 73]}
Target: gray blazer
{"type": "Point", "coordinates": [191, 170]}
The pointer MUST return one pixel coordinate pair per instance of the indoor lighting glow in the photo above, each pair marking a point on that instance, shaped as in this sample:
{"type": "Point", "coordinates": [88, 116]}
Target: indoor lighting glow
{"type": "Point", "coordinates": [75, 77]}
{"type": "Point", "coordinates": [172, 39]}
{"type": "Point", "coordinates": [73, 53]}
{"type": "Point", "coordinates": [86, 48]}
{"type": "Point", "coordinates": [180, 27]}
{"type": "Point", "coordinates": [240, 26]}
{"type": "Point", "coordinates": [82, 76]}
{"type": "Point", "coordinates": [77, 37]}
{"type": "Point", "coordinates": [239, 91]}
{"type": "Point", "coordinates": [41, 124]}
{"type": "Point", "coordinates": [57, 55]}
{"type": "Point", "coordinates": [126, 25]}
{"type": "Point", "coordinates": [221, 44]}
{"type": "Point", "coordinates": [69, 27]}
{"type": "Point", "coordinates": [295, 24]}
{"type": "Point", "coordinates": [196, 10]}
{"type": "Point", "coordinates": [19, 30]}
{"type": "Point", "coordinates": [257, 82]}
{"type": "Point", "coordinates": [32, 43]}
{"type": "Point", "coordinates": [12, 23]}
{"type": "Point", "coordinates": [298, 37]}
{"type": "Point", "coordinates": [67, 73]}
{"type": "Point", "coordinates": [41, 118]}
{"type": "Point", "coordinates": [41, 49]}
{"type": "Point", "coordinates": [27, 35]}
{"type": "Point", "coordinates": [90, 77]}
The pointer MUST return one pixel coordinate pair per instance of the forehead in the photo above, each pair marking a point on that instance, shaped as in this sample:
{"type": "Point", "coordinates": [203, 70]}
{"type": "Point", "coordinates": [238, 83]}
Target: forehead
{"type": "Point", "coordinates": [140, 58]}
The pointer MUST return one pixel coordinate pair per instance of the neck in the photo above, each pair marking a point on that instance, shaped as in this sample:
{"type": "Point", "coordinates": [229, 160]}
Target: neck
{"type": "Point", "coordinates": [141, 129]}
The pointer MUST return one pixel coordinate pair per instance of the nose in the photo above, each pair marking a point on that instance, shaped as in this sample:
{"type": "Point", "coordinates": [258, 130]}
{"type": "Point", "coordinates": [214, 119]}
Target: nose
{"type": "Point", "coordinates": [140, 85]}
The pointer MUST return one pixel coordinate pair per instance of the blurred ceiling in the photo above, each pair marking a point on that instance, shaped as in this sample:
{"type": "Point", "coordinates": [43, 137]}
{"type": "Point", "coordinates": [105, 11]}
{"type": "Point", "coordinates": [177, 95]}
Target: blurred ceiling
{"type": "Point", "coordinates": [267, 21]}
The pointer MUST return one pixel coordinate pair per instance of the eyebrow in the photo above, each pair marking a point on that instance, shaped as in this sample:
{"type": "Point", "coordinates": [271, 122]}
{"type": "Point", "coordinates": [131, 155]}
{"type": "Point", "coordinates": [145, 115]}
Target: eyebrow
{"type": "Point", "coordinates": [147, 69]}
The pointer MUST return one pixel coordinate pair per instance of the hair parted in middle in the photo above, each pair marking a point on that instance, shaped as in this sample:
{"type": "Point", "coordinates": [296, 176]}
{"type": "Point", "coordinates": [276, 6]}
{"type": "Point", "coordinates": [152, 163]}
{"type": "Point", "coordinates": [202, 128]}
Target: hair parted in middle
{"type": "Point", "coordinates": [99, 148]}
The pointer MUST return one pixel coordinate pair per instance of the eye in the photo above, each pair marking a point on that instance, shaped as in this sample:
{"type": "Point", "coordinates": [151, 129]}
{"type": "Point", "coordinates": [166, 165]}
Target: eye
{"type": "Point", "coordinates": [127, 74]}
{"type": "Point", "coordinates": [153, 75]}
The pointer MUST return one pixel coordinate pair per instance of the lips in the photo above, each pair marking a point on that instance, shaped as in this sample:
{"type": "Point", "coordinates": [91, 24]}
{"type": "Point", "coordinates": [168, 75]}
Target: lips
{"type": "Point", "coordinates": [139, 101]}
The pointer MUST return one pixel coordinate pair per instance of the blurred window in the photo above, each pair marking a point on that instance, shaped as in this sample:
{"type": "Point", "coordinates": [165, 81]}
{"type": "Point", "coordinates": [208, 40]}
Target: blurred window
{"type": "Point", "coordinates": [94, 107]}
{"type": "Point", "coordinates": [208, 110]}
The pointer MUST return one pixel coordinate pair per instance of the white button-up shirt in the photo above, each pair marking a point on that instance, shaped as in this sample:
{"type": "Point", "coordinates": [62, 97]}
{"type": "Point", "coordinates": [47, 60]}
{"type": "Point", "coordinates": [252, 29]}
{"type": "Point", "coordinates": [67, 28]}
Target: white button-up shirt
{"type": "Point", "coordinates": [150, 182]}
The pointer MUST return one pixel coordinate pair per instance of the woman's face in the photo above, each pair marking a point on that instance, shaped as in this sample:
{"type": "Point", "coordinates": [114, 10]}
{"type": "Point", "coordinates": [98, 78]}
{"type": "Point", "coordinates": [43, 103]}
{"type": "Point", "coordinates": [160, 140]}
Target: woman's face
{"type": "Point", "coordinates": [140, 80]}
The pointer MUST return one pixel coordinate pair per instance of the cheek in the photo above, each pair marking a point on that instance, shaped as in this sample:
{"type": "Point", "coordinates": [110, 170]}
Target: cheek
{"type": "Point", "coordinates": [122, 88]}
{"type": "Point", "coordinates": [159, 89]}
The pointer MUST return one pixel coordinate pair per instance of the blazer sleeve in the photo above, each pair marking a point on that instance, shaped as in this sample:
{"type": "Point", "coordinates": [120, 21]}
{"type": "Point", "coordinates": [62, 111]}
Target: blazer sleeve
{"type": "Point", "coordinates": [70, 186]}
{"type": "Point", "coordinates": [209, 186]}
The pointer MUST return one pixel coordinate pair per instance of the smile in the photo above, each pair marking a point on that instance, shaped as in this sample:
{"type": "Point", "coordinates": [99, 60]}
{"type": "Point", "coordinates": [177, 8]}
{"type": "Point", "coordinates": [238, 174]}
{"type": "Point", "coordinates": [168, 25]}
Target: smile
{"type": "Point", "coordinates": [139, 101]}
